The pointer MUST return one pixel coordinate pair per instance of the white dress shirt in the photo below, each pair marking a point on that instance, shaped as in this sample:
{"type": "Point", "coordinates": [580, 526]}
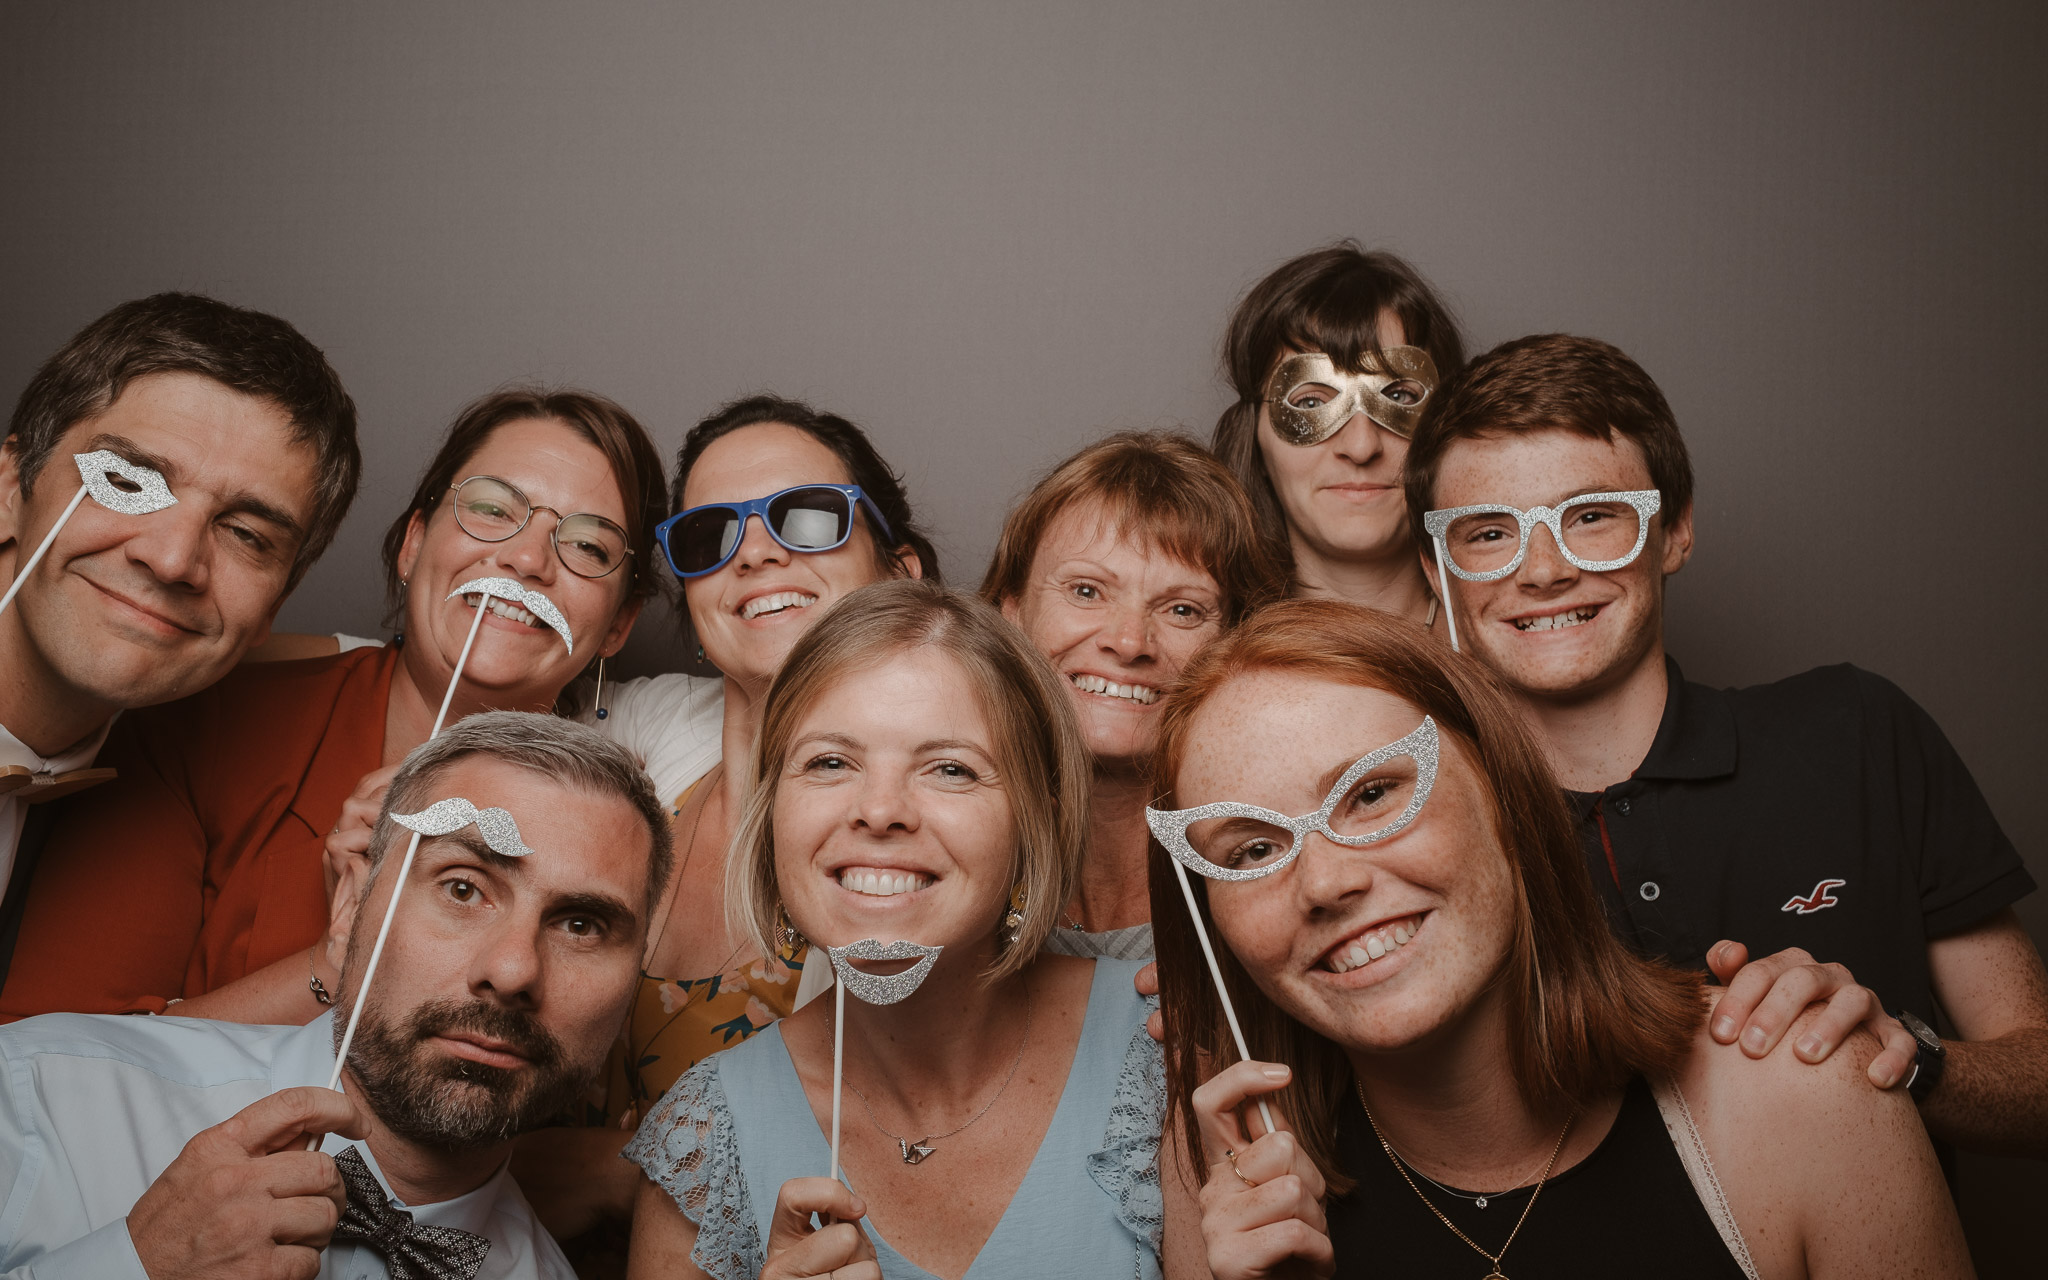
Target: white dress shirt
{"type": "Point", "coordinates": [96, 1105]}
{"type": "Point", "coordinates": [13, 813]}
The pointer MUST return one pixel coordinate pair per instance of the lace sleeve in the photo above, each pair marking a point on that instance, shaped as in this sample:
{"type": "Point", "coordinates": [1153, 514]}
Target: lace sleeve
{"type": "Point", "coordinates": [686, 1145]}
{"type": "Point", "coordinates": [1127, 1165]}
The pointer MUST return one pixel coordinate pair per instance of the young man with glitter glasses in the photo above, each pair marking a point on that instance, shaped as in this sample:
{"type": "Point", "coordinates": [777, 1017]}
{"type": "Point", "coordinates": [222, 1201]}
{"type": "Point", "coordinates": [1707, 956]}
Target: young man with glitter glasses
{"type": "Point", "coordinates": [1822, 821]}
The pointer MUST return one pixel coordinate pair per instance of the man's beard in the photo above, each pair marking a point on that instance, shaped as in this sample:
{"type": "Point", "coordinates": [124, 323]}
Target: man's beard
{"type": "Point", "coordinates": [450, 1103]}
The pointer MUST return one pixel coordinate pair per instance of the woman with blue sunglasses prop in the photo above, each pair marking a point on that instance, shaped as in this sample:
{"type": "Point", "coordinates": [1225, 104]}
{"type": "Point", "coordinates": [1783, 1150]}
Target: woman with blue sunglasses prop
{"type": "Point", "coordinates": [1434, 1057]}
{"type": "Point", "coordinates": [781, 511]}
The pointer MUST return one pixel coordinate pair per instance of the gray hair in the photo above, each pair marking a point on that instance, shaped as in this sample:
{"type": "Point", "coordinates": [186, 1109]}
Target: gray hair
{"type": "Point", "coordinates": [570, 753]}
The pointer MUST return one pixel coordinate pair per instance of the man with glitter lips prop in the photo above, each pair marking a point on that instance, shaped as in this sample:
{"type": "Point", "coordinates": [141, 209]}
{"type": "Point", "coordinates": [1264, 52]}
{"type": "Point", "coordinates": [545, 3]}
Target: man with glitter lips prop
{"type": "Point", "coordinates": [1822, 816]}
{"type": "Point", "coordinates": [173, 1147]}
{"type": "Point", "coordinates": [218, 453]}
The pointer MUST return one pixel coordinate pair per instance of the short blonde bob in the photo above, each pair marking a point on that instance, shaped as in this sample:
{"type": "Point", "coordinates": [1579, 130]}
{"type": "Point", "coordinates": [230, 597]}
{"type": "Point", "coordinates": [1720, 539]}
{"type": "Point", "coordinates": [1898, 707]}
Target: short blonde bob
{"type": "Point", "coordinates": [1039, 753]}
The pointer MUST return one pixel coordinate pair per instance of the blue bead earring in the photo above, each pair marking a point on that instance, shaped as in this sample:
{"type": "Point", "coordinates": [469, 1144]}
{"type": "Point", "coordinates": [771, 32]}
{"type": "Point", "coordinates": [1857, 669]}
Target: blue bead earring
{"type": "Point", "coordinates": [603, 712]}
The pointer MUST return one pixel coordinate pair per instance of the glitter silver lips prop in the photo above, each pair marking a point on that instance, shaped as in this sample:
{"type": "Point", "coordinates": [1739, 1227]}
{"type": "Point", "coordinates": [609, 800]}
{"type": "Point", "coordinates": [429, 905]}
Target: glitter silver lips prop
{"type": "Point", "coordinates": [881, 988]}
{"type": "Point", "coordinates": [511, 592]}
{"type": "Point", "coordinates": [96, 474]}
{"type": "Point", "coordinates": [444, 817]}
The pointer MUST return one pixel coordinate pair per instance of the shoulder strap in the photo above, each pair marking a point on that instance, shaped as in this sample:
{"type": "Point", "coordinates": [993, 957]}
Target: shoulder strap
{"type": "Point", "coordinates": [1699, 1167]}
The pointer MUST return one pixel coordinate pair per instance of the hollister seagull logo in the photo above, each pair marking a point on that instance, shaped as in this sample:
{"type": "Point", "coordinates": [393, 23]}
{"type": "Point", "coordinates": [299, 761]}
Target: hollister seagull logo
{"type": "Point", "coordinates": [1822, 897]}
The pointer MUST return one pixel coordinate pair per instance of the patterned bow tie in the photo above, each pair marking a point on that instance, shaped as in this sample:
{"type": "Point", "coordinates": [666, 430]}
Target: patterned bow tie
{"type": "Point", "coordinates": [410, 1251]}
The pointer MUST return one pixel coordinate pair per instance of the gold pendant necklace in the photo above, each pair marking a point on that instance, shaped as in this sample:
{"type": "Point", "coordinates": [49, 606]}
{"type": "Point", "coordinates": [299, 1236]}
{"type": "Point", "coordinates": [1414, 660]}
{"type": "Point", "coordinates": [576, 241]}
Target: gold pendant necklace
{"type": "Point", "coordinates": [1402, 1169]}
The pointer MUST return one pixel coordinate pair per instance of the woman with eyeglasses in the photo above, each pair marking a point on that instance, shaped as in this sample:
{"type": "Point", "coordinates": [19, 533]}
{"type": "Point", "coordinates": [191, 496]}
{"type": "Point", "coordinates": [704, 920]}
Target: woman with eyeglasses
{"type": "Point", "coordinates": [1333, 356]}
{"type": "Point", "coordinates": [1467, 1074]}
{"type": "Point", "coordinates": [244, 792]}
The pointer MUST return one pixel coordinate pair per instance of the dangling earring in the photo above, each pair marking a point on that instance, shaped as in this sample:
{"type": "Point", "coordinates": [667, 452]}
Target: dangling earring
{"type": "Point", "coordinates": [700, 653]}
{"type": "Point", "coordinates": [603, 712]}
{"type": "Point", "coordinates": [1013, 919]}
{"type": "Point", "coordinates": [786, 933]}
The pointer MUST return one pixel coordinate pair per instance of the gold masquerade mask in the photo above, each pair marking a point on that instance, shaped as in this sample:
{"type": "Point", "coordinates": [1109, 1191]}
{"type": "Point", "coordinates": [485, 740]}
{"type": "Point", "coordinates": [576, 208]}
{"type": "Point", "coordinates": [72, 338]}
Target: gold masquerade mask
{"type": "Point", "coordinates": [1309, 397]}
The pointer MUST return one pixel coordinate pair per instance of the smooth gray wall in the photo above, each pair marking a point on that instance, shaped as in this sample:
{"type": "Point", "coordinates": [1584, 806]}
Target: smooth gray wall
{"type": "Point", "coordinates": [990, 233]}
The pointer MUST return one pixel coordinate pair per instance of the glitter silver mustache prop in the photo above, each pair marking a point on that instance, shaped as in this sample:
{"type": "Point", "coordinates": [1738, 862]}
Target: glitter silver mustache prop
{"type": "Point", "coordinates": [97, 472]}
{"type": "Point", "coordinates": [871, 988]}
{"type": "Point", "coordinates": [440, 818]}
{"type": "Point", "coordinates": [486, 589]}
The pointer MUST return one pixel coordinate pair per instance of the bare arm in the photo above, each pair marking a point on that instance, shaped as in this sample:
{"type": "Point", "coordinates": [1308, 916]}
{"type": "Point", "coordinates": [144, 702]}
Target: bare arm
{"type": "Point", "coordinates": [1826, 1176]}
{"type": "Point", "coordinates": [1993, 1094]}
{"type": "Point", "coordinates": [1182, 1255]}
{"type": "Point", "coordinates": [662, 1238]}
{"type": "Point", "coordinates": [276, 995]}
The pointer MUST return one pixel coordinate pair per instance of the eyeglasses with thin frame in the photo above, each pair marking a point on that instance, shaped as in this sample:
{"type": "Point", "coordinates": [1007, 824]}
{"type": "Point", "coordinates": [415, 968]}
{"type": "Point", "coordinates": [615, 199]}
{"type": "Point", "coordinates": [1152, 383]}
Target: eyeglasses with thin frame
{"type": "Point", "coordinates": [1596, 532]}
{"type": "Point", "coordinates": [805, 518]}
{"type": "Point", "coordinates": [491, 509]}
{"type": "Point", "coordinates": [1223, 840]}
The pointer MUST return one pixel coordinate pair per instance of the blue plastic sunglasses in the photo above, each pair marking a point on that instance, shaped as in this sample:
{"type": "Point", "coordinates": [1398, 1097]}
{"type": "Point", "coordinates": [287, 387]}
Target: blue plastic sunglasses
{"type": "Point", "coordinates": [809, 517]}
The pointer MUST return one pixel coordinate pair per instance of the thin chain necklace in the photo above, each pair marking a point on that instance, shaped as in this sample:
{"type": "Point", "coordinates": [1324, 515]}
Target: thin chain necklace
{"type": "Point", "coordinates": [917, 1152]}
{"type": "Point", "coordinates": [1401, 1168]}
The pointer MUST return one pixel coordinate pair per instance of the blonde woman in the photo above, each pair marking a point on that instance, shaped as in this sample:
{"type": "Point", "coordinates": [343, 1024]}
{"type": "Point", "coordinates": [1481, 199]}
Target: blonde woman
{"type": "Point", "coordinates": [919, 777]}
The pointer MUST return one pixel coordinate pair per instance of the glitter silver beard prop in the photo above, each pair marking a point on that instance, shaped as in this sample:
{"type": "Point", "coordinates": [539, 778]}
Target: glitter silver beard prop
{"type": "Point", "coordinates": [100, 470]}
{"type": "Point", "coordinates": [879, 988]}
{"type": "Point", "coordinates": [499, 831]}
{"type": "Point", "coordinates": [511, 592]}
{"type": "Point", "coordinates": [1309, 398]}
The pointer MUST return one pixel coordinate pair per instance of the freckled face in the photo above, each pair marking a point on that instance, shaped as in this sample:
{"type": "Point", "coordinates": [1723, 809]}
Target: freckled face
{"type": "Point", "coordinates": [891, 818]}
{"type": "Point", "coordinates": [1119, 618]}
{"type": "Point", "coordinates": [1342, 497]}
{"type": "Point", "coordinates": [1375, 947]}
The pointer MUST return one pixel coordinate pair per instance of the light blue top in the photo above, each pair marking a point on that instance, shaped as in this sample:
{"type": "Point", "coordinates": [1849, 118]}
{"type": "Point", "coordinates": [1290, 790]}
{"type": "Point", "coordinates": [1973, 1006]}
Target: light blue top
{"type": "Point", "coordinates": [94, 1106]}
{"type": "Point", "coordinates": [737, 1126]}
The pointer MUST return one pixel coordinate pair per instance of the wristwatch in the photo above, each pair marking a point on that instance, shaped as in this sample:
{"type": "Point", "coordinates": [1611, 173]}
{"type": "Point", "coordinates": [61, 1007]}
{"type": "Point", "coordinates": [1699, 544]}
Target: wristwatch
{"type": "Point", "coordinates": [1928, 1062]}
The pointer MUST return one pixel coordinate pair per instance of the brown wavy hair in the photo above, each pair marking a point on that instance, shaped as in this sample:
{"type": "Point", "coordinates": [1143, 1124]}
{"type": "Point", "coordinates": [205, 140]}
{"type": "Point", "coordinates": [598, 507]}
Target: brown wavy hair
{"type": "Point", "coordinates": [1584, 1013]}
{"type": "Point", "coordinates": [1159, 484]}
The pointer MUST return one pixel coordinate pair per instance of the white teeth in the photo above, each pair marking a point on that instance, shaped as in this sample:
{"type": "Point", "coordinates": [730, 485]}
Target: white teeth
{"type": "Point", "coordinates": [505, 609]}
{"type": "Point", "coordinates": [1558, 621]}
{"type": "Point", "coordinates": [1371, 947]}
{"type": "Point", "coordinates": [1144, 695]}
{"type": "Point", "coordinates": [883, 884]}
{"type": "Point", "coordinates": [761, 605]}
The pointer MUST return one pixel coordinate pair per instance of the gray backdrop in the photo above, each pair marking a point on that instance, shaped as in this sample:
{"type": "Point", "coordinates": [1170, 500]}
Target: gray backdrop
{"type": "Point", "coordinates": [990, 233]}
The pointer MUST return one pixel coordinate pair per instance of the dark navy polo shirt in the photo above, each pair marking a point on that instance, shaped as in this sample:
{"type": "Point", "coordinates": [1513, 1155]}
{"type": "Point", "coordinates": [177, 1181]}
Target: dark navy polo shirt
{"type": "Point", "coordinates": [1826, 811]}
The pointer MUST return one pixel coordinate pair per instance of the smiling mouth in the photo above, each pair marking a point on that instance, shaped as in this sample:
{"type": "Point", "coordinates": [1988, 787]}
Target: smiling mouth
{"type": "Point", "coordinates": [881, 882]}
{"type": "Point", "coordinates": [780, 602]}
{"type": "Point", "coordinates": [1375, 943]}
{"type": "Point", "coordinates": [1143, 695]}
{"type": "Point", "coordinates": [1559, 621]}
{"type": "Point", "coordinates": [506, 609]}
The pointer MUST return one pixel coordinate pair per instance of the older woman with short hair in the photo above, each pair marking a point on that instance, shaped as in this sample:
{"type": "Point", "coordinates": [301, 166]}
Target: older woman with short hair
{"type": "Point", "coordinates": [918, 777]}
{"type": "Point", "coordinates": [1120, 565]}
{"type": "Point", "coordinates": [1472, 1075]}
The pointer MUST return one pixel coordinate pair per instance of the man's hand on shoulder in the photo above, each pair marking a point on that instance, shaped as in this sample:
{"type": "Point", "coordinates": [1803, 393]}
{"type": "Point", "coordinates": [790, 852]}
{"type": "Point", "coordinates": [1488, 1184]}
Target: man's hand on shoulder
{"type": "Point", "coordinates": [244, 1198]}
{"type": "Point", "coordinates": [1765, 997]}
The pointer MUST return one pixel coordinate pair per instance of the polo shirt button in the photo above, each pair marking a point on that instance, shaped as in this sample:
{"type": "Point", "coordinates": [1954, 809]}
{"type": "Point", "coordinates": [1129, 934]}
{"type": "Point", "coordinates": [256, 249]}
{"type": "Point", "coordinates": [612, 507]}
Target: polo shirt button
{"type": "Point", "coordinates": [1621, 806]}
{"type": "Point", "coordinates": [1650, 891]}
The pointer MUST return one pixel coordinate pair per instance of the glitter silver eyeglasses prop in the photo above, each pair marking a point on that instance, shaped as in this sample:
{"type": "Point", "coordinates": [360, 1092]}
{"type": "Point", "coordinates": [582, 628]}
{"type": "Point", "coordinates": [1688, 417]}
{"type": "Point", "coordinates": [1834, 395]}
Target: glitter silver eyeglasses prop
{"type": "Point", "coordinates": [1595, 532]}
{"type": "Point", "coordinates": [1170, 828]}
{"type": "Point", "coordinates": [116, 484]}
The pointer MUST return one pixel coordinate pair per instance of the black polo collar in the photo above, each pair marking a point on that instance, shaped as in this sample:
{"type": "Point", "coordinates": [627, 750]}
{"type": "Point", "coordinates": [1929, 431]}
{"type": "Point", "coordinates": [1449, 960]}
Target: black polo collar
{"type": "Point", "coordinates": [1695, 736]}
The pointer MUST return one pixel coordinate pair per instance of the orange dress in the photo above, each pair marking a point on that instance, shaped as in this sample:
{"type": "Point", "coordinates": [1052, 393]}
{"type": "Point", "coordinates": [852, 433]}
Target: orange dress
{"type": "Point", "coordinates": [202, 861]}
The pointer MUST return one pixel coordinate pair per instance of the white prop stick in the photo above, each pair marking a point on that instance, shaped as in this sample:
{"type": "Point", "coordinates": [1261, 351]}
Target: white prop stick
{"type": "Point", "coordinates": [150, 494]}
{"type": "Point", "coordinates": [1443, 578]}
{"type": "Point", "coordinates": [1216, 972]}
{"type": "Point", "coordinates": [838, 1066]}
